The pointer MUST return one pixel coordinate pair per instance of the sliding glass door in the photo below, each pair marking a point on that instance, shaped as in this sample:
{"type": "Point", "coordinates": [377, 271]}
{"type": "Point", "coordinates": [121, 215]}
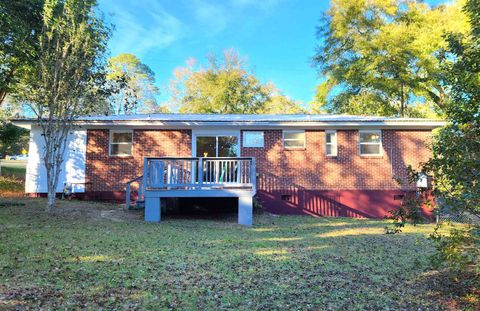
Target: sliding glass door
{"type": "Point", "coordinates": [218, 170]}
{"type": "Point", "coordinates": [217, 146]}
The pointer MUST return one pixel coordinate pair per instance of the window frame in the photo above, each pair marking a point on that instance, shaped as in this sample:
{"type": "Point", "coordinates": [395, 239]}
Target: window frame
{"type": "Point", "coordinates": [294, 131]}
{"type": "Point", "coordinates": [253, 132]}
{"type": "Point", "coordinates": [110, 143]}
{"type": "Point", "coordinates": [333, 143]}
{"type": "Point", "coordinates": [379, 132]}
{"type": "Point", "coordinates": [215, 133]}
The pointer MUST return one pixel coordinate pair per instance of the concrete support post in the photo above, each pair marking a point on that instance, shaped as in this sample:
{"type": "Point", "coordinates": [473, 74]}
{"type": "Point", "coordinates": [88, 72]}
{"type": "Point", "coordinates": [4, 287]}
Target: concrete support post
{"type": "Point", "coordinates": [245, 211]}
{"type": "Point", "coordinates": [152, 209]}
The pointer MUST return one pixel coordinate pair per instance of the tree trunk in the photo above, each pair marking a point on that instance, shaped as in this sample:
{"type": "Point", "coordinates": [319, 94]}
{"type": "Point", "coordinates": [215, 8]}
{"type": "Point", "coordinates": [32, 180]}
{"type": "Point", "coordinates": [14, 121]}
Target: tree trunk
{"type": "Point", "coordinates": [51, 199]}
{"type": "Point", "coordinates": [3, 95]}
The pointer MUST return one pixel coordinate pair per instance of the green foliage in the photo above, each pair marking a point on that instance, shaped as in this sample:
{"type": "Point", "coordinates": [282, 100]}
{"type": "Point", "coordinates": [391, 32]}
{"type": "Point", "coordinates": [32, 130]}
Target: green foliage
{"type": "Point", "coordinates": [132, 86]}
{"type": "Point", "coordinates": [277, 103]}
{"type": "Point", "coordinates": [67, 78]}
{"type": "Point", "coordinates": [20, 24]}
{"type": "Point", "coordinates": [68, 71]}
{"type": "Point", "coordinates": [459, 250]}
{"type": "Point", "coordinates": [12, 139]}
{"type": "Point", "coordinates": [15, 169]}
{"type": "Point", "coordinates": [410, 211]}
{"type": "Point", "coordinates": [380, 56]}
{"type": "Point", "coordinates": [226, 86]}
{"type": "Point", "coordinates": [456, 147]}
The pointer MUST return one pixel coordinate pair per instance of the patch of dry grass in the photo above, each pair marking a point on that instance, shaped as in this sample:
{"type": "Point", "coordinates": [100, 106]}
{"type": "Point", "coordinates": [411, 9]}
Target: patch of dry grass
{"type": "Point", "coordinates": [11, 187]}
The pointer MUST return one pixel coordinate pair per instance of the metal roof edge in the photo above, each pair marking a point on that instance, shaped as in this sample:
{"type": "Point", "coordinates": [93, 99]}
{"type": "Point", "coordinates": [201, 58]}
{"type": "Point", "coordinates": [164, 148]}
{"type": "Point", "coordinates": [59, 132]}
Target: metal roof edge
{"type": "Point", "coordinates": [408, 123]}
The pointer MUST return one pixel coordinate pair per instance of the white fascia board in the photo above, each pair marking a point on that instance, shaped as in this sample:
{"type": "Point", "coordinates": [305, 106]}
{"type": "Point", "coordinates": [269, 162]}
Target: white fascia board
{"type": "Point", "coordinates": [152, 124]}
{"type": "Point", "coordinates": [267, 125]}
{"type": "Point", "coordinates": [23, 124]}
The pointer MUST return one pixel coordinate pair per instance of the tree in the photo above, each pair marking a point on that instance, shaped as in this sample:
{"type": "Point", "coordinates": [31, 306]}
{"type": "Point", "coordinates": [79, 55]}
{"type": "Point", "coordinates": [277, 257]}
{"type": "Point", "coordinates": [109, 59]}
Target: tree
{"type": "Point", "coordinates": [379, 57]}
{"type": "Point", "coordinates": [278, 103]}
{"type": "Point", "coordinates": [66, 78]}
{"type": "Point", "coordinates": [12, 139]}
{"type": "Point", "coordinates": [224, 86]}
{"type": "Point", "coordinates": [20, 23]}
{"type": "Point", "coordinates": [132, 84]}
{"type": "Point", "coordinates": [455, 164]}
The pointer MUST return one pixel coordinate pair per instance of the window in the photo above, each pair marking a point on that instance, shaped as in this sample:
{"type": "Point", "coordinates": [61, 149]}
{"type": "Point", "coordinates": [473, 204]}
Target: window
{"type": "Point", "coordinates": [253, 139]}
{"type": "Point", "coordinates": [121, 143]}
{"type": "Point", "coordinates": [331, 143]}
{"type": "Point", "coordinates": [216, 146]}
{"type": "Point", "coordinates": [370, 142]}
{"type": "Point", "coordinates": [294, 139]}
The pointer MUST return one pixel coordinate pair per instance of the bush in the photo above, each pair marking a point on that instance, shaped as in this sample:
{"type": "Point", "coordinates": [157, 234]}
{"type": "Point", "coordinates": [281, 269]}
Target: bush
{"type": "Point", "coordinates": [410, 211]}
{"type": "Point", "coordinates": [460, 250]}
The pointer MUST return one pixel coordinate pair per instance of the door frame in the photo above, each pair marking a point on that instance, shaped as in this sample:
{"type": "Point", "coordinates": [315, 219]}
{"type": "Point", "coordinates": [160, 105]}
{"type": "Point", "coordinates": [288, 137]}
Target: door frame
{"type": "Point", "coordinates": [214, 133]}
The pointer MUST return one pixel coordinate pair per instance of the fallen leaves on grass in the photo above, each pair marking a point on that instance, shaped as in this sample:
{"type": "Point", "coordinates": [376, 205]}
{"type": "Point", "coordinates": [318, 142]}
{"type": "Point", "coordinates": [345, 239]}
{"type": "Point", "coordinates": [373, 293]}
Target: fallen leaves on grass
{"type": "Point", "coordinates": [76, 258]}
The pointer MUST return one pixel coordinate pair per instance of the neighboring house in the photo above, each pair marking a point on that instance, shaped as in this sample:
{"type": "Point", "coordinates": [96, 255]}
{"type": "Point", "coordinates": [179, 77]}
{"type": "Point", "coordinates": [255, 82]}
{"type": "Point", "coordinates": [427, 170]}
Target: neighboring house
{"type": "Point", "coordinates": [327, 165]}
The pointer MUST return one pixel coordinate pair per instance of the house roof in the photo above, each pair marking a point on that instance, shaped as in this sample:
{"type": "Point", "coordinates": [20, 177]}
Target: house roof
{"type": "Point", "coordinates": [248, 120]}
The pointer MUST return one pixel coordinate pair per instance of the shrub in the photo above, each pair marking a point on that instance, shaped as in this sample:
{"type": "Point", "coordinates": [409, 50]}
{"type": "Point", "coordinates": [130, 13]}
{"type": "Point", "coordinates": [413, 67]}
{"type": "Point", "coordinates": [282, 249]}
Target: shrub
{"type": "Point", "coordinates": [460, 250]}
{"type": "Point", "coordinates": [410, 211]}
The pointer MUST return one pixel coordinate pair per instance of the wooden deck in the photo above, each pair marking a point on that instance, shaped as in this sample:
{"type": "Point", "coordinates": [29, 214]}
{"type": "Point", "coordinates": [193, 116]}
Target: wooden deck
{"type": "Point", "coordinates": [199, 173]}
{"type": "Point", "coordinates": [196, 177]}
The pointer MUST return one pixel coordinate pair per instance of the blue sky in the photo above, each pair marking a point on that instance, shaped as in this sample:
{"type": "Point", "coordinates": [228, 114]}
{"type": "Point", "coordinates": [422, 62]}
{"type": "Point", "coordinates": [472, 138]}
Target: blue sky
{"type": "Point", "coordinates": [277, 37]}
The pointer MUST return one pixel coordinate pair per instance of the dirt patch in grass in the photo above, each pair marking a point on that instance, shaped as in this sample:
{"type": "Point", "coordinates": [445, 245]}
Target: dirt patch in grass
{"type": "Point", "coordinates": [75, 209]}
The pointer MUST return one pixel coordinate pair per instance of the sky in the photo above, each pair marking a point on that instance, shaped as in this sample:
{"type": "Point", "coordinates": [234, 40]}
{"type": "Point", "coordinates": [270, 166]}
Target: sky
{"type": "Point", "coordinates": [276, 37]}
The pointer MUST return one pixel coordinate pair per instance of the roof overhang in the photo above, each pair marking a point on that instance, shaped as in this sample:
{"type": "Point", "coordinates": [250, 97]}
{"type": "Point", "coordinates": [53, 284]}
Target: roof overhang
{"type": "Point", "coordinates": [191, 124]}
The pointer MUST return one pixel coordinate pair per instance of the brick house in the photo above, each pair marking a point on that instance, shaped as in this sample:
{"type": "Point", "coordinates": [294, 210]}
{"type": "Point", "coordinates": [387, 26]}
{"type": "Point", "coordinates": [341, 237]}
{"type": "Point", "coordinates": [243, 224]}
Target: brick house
{"type": "Point", "coordinates": [325, 165]}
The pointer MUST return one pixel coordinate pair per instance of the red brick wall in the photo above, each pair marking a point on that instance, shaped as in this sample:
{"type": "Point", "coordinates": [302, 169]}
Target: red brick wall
{"type": "Point", "coordinates": [278, 168]}
{"type": "Point", "coordinates": [310, 168]}
{"type": "Point", "coordinates": [109, 173]}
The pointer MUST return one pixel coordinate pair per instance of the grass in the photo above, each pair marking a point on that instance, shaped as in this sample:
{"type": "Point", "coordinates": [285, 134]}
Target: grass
{"type": "Point", "coordinates": [11, 187]}
{"type": "Point", "coordinates": [13, 168]}
{"type": "Point", "coordinates": [12, 178]}
{"type": "Point", "coordinates": [93, 256]}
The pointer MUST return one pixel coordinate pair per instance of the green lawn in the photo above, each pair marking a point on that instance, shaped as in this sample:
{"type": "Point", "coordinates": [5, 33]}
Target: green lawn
{"type": "Point", "coordinates": [15, 168]}
{"type": "Point", "coordinates": [94, 256]}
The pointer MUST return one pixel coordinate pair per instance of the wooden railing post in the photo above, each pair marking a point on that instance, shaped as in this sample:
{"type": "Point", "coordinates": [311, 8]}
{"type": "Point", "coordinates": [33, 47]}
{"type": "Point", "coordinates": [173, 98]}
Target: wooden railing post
{"type": "Point", "coordinates": [239, 171]}
{"type": "Point", "coordinates": [193, 171]}
{"type": "Point", "coordinates": [253, 174]}
{"type": "Point", "coordinates": [200, 172]}
{"type": "Point", "coordinates": [145, 173]}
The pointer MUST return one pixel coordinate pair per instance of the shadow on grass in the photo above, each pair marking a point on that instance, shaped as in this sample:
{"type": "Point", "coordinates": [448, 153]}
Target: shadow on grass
{"type": "Point", "coordinates": [293, 262]}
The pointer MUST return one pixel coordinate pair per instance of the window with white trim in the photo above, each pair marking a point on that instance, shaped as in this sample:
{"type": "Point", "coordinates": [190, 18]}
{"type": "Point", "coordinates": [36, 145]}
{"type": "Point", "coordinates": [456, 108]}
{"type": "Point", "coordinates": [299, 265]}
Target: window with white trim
{"type": "Point", "coordinates": [253, 139]}
{"type": "Point", "coordinates": [370, 142]}
{"type": "Point", "coordinates": [331, 143]}
{"type": "Point", "coordinates": [121, 143]}
{"type": "Point", "coordinates": [294, 139]}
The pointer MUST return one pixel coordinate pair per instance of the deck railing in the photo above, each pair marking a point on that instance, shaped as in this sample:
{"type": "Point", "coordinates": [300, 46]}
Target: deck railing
{"type": "Point", "coordinates": [199, 173]}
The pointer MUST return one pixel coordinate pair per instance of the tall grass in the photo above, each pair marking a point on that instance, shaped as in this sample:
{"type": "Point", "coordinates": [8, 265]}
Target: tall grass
{"type": "Point", "coordinates": [11, 187]}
